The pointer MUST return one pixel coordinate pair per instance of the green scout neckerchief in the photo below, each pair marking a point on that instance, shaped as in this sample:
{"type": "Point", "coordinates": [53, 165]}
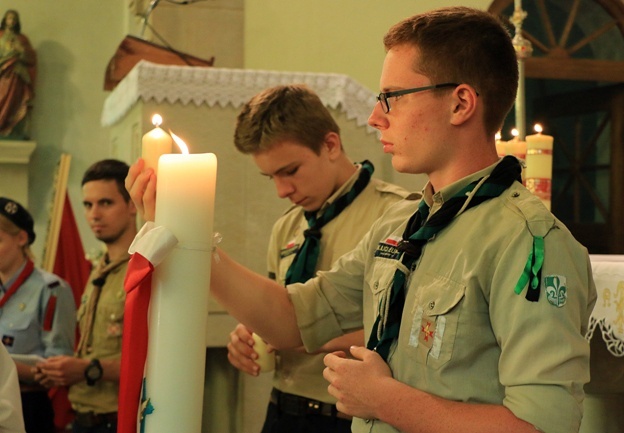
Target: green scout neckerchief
{"type": "Point", "coordinates": [419, 231]}
{"type": "Point", "coordinates": [304, 263]}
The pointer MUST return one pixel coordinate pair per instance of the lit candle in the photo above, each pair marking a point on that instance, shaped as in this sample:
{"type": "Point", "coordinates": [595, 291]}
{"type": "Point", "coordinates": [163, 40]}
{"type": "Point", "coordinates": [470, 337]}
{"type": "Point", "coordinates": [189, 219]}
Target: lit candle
{"type": "Point", "coordinates": [515, 146]}
{"type": "Point", "coordinates": [176, 355]}
{"type": "Point", "coordinates": [539, 165]}
{"type": "Point", "coordinates": [155, 143]}
{"type": "Point", "coordinates": [266, 359]}
{"type": "Point", "coordinates": [500, 145]}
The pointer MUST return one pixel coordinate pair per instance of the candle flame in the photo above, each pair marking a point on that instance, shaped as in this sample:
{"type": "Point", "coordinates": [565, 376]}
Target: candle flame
{"type": "Point", "coordinates": [538, 128]}
{"type": "Point", "coordinates": [515, 132]}
{"type": "Point", "coordinates": [181, 144]}
{"type": "Point", "coordinates": [498, 136]}
{"type": "Point", "coordinates": [157, 120]}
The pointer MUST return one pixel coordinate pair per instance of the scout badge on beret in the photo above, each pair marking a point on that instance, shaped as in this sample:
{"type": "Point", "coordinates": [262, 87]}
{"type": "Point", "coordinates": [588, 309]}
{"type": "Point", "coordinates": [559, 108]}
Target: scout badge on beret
{"type": "Point", "coordinates": [19, 216]}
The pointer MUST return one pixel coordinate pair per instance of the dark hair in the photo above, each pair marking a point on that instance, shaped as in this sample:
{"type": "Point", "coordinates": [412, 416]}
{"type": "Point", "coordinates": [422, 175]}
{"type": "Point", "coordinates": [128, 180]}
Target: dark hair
{"type": "Point", "coordinates": [464, 45]}
{"type": "Point", "coordinates": [17, 28]}
{"type": "Point", "coordinates": [279, 113]}
{"type": "Point", "coordinates": [109, 169]}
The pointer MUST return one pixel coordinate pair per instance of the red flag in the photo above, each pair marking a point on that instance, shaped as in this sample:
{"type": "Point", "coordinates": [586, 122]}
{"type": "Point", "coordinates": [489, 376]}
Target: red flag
{"type": "Point", "coordinates": [71, 265]}
{"type": "Point", "coordinates": [70, 262]}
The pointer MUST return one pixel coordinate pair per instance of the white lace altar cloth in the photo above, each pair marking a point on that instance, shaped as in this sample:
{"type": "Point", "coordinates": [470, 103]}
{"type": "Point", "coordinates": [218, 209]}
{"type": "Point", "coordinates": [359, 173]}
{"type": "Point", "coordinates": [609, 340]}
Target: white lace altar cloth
{"type": "Point", "coordinates": [608, 314]}
{"type": "Point", "coordinates": [223, 86]}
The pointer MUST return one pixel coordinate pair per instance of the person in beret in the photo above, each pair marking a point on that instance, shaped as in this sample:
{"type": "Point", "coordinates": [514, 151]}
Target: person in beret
{"type": "Point", "coordinates": [37, 312]}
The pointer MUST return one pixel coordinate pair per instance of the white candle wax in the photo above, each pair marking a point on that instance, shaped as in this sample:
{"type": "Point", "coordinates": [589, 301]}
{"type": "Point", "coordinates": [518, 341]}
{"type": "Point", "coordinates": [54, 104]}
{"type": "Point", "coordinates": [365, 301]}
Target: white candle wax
{"type": "Point", "coordinates": [154, 144]}
{"type": "Point", "coordinates": [539, 166]}
{"type": "Point", "coordinates": [501, 148]}
{"type": "Point", "coordinates": [539, 156]}
{"type": "Point", "coordinates": [180, 285]}
{"type": "Point", "coordinates": [265, 360]}
{"type": "Point", "coordinates": [516, 148]}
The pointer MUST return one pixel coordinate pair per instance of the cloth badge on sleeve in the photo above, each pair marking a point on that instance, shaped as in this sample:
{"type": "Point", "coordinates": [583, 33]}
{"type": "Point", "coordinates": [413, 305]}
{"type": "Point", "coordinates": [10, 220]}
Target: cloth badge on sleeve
{"type": "Point", "coordinates": [556, 290]}
{"type": "Point", "coordinates": [388, 249]}
{"type": "Point", "coordinates": [289, 249]}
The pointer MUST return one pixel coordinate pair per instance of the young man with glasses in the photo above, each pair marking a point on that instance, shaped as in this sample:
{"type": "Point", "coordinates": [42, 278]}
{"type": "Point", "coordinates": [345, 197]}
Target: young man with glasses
{"type": "Point", "coordinates": [474, 299]}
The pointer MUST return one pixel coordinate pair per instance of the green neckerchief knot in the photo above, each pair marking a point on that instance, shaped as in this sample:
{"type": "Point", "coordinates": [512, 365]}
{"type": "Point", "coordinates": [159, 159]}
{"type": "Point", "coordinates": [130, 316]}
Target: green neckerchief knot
{"type": "Point", "coordinates": [421, 229]}
{"type": "Point", "coordinates": [304, 263]}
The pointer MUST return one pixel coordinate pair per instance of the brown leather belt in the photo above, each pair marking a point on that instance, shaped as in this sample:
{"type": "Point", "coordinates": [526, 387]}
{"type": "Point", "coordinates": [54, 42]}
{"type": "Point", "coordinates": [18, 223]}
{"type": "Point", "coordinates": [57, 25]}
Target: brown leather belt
{"type": "Point", "coordinates": [91, 419]}
{"type": "Point", "coordinates": [300, 406]}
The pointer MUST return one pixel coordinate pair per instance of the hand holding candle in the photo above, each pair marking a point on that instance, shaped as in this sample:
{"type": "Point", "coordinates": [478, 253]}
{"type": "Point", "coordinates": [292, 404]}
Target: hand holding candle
{"type": "Point", "coordinates": [155, 143]}
{"type": "Point", "coordinates": [266, 359]}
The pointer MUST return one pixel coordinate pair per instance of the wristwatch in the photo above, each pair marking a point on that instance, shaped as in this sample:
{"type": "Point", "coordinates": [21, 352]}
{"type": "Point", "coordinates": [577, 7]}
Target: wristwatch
{"type": "Point", "coordinates": [93, 372]}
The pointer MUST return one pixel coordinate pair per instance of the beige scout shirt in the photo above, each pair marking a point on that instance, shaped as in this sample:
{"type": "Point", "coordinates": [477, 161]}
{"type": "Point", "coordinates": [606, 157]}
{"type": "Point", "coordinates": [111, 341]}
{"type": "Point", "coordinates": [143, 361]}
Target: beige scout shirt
{"type": "Point", "coordinates": [465, 335]}
{"type": "Point", "coordinates": [299, 373]}
{"type": "Point", "coordinates": [104, 343]}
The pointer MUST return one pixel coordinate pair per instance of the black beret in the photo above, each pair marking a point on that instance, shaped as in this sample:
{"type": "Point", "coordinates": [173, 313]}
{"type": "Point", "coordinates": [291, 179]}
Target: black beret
{"type": "Point", "coordinates": [18, 215]}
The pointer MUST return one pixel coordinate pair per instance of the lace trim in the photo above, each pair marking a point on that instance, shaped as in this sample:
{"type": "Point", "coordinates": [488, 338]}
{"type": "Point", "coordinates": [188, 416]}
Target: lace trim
{"type": "Point", "coordinates": [222, 86]}
{"type": "Point", "coordinates": [614, 344]}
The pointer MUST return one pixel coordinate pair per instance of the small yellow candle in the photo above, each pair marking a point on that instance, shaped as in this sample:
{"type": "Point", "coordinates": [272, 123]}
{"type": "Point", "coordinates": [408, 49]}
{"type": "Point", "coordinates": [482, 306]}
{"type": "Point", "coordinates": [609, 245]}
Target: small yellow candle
{"type": "Point", "coordinates": [539, 165]}
{"type": "Point", "coordinates": [266, 359]}
{"type": "Point", "coordinates": [155, 143]}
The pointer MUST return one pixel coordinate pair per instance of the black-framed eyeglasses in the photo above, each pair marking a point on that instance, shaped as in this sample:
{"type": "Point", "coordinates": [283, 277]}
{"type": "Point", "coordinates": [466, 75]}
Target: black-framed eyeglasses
{"type": "Point", "coordinates": [383, 96]}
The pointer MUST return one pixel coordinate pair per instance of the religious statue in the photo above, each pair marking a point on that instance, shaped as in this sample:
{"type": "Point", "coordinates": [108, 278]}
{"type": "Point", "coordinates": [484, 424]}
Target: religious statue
{"type": "Point", "coordinates": [17, 78]}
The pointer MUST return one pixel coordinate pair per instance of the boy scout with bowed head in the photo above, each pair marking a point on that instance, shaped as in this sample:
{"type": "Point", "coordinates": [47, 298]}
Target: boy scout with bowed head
{"type": "Point", "coordinates": [295, 141]}
{"type": "Point", "coordinates": [93, 373]}
{"type": "Point", "coordinates": [475, 321]}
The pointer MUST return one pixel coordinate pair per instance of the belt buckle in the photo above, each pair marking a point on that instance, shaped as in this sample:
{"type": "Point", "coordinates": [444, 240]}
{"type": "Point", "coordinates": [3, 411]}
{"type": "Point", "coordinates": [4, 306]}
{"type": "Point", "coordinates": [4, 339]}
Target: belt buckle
{"type": "Point", "coordinates": [314, 407]}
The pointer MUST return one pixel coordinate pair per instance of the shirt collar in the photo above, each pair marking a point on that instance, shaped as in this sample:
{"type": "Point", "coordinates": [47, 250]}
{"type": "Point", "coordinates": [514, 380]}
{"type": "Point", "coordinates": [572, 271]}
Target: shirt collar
{"type": "Point", "coordinates": [435, 200]}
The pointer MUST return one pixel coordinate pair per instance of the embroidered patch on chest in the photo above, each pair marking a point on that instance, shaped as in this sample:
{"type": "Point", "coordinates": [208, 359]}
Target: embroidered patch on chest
{"type": "Point", "coordinates": [290, 248]}
{"type": "Point", "coordinates": [428, 332]}
{"type": "Point", "coordinates": [556, 290]}
{"type": "Point", "coordinates": [388, 249]}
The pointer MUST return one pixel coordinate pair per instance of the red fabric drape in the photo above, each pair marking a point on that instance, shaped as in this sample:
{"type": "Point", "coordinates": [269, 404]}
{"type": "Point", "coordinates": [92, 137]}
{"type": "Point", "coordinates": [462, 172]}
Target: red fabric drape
{"type": "Point", "coordinates": [138, 286]}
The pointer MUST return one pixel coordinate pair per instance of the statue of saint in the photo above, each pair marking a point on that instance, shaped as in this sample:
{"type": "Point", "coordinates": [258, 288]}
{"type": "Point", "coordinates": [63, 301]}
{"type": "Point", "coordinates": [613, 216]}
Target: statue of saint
{"type": "Point", "coordinates": [17, 78]}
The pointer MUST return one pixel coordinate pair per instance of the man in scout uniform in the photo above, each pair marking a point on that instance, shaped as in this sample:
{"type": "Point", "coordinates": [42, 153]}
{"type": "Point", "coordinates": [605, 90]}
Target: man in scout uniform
{"type": "Point", "coordinates": [475, 320]}
{"type": "Point", "coordinates": [295, 141]}
{"type": "Point", "coordinates": [93, 373]}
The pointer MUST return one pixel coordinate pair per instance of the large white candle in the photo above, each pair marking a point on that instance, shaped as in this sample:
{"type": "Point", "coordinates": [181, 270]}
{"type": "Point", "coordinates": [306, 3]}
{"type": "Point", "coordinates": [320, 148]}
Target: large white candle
{"type": "Point", "coordinates": [539, 165]}
{"type": "Point", "coordinates": [155, 143]}
{"type": "Point", "coordinates": [179, 305]}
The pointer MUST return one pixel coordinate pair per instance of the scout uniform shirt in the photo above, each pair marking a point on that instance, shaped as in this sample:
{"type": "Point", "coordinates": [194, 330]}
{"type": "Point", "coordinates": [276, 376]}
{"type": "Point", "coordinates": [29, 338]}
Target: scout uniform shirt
{"type": "Point", "coordinates": [465, 334]}
{"type": "Point", "coordinates": [104, 342]}
{"type": "Point", "coordinates": [298, 373]}
{"type": "Point", "coordinates": [23, 318]}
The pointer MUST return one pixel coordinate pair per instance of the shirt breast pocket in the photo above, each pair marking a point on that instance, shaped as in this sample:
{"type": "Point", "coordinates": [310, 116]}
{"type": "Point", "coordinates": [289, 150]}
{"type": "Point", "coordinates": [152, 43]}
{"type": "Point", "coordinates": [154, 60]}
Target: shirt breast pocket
{"type": "Point", "coordinates": [382, 276]}
{"type": "Point", "coordinates": [434, 319]}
